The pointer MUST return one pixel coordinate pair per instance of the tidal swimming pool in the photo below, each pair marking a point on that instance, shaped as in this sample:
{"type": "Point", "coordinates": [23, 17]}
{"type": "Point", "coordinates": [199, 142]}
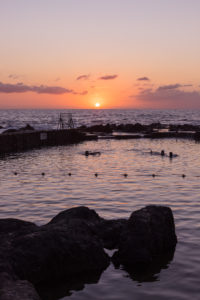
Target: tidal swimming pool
{"type": "Point", "coordinates": [31, 196]}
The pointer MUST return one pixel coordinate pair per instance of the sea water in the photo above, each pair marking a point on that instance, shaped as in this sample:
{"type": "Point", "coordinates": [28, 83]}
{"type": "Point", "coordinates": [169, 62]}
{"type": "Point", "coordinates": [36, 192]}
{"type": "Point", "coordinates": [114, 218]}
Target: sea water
{"type": "Point", "coordinates": [48, 119]}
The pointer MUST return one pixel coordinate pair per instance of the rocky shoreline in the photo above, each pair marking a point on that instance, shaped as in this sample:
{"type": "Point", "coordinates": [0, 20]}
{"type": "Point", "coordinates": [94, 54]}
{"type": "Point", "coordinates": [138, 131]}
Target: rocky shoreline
{"type": "Point", "coordinates": [72, 247]}
{"type": "Point", "coordinates": [137, 130]}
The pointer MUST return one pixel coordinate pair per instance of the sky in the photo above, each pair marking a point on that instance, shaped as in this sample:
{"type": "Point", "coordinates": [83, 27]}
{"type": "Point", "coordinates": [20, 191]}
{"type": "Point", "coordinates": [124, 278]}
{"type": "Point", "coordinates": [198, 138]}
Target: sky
{"type": "Point", "coordinates": [142, 54]}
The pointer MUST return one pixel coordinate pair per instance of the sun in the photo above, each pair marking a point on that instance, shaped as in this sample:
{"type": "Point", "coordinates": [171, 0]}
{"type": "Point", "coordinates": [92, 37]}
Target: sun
{"type": "Point", "coordinates": [97, 104]}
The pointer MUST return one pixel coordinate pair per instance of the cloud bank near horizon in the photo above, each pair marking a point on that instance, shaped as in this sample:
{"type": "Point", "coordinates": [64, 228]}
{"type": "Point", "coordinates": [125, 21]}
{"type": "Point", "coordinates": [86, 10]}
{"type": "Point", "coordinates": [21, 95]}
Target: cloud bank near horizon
{"type": "Point", "coordinates": [172, 95]}
{"type": "Point", "coordinates": [41, 89]}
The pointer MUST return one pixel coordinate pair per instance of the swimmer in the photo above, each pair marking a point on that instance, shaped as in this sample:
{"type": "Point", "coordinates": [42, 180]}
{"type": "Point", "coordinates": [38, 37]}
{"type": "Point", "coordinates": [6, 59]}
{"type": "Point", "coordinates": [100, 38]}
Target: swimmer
{"type": "Point", "coordinates": [162, 153]}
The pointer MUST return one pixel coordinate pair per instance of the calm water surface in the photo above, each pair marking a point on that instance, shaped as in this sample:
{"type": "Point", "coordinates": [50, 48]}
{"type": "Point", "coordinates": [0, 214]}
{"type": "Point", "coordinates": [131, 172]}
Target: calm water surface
{"type": "Point", "coordinates": [31, 196]}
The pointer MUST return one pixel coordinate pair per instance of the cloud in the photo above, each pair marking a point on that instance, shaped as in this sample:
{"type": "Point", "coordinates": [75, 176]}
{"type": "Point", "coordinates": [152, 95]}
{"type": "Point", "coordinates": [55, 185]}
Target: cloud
{"type": "Point", "coordinates": [41, 89]}
{"type": "Point", "coordinates": [56, 90]}
{"type": "Point", "coordinates": [143, 79]}
{"type": "Point", "coordinates": [169, 96]}
{"type": "Point", "coordinates": [13, 76]}
{"type": "Point", "coordinates": [169, 87]}
{"type": "Point", "coordinates": [13, 88]}
{"type": "Point", "coordinates": [187, 85]}
{"type": "Point", "coordinates": [108, 77]}
{"type": "Point", "coordinates": [83, 77]}
{"type": "Point", "coordinates": [81, 93]}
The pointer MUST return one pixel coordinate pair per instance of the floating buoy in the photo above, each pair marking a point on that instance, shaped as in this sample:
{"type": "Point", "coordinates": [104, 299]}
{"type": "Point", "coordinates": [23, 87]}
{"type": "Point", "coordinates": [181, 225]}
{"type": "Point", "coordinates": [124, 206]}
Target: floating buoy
{"type": "Point", "coordinates": [43, 174]}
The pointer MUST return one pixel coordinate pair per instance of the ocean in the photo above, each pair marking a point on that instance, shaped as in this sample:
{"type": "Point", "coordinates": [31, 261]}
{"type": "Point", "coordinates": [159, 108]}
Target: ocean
{"type": "Point", "coordinates": [48, 119]}
{"type": "Point", "coordinates": [33, 197]}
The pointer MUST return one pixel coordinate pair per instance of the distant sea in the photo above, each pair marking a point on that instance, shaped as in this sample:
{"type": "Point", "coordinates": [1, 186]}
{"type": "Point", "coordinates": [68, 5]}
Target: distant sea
{"type": "Point", "coordinates": [48, 119]}
{"type": "Point", "coordinates": [33, 197]}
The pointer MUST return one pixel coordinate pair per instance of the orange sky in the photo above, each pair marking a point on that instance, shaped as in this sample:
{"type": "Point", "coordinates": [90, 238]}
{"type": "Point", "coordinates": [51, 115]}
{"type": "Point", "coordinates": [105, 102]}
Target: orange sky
{"type": "Point", "coordinates": [122, 54]}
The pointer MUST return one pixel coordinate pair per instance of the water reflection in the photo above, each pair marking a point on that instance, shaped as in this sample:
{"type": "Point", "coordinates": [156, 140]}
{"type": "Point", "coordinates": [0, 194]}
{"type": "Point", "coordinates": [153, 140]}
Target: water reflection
{"type": "Point", "coordinates": [66, 286]}
{"type": "Point", "coordinates": [151, 272]}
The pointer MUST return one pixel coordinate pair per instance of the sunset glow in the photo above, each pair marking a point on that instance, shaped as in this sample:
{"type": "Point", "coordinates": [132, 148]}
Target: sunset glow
{"type": "Point", "coordinates": [68, 56]}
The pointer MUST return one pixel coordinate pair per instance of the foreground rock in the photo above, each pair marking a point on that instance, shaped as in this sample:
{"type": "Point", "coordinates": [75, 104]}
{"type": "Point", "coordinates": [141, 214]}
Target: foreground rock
{"type": "Point", "coordinates": [72, 246]}
{"type": "Point", "coordinates": [148, 234]}
{"type": "Point", "coordinates": [18, 290]}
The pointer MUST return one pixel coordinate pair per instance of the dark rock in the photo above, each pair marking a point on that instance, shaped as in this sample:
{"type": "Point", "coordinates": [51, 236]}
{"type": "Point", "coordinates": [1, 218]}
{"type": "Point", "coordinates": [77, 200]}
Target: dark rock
{"type": "Point", "coordinates": [11, 229]}
{"type": "Point", "coordinates": [8, 226]}
{"type": "Point", "coordinates": [9, 131]}
{"type": "Point", "coordinates": [197, 136]}
{"type": "Point", "coordinates": [137, 127]}
{"type": "Point", "coordinates": [18, 290]}
{"type": "Point", "coordinates": [183, 127]}
{"type": "Point", "coordinates": [97, 128]}
{"type": "Point", "coordinates": [71, 246]}
{"type": "Point", "coordinates": [68, 245]}
{"type": "Point", "coordinates": [55, 252]}
{"type": "Point", "coordinates": [27, 127]}
{"type": "Point", "coordinates": [170, 134]}
{"type": "Point", "coordinates": [149, 233]}
{"type": "Point", "coordinates": [80, 213]}
{"type": "Point", "coordinates": [109, 232]}
{"type": "Point", "coordinates": [10, 287]}
{"type": "Point", "coordinates": [157, 125]}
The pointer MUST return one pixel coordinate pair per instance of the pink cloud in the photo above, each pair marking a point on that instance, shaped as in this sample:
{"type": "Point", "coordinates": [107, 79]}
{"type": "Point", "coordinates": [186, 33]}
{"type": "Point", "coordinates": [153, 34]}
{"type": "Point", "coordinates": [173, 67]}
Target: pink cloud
{"type": "Point", "coordinates": [108, 77]}
{"type": "Point", "coordinates": [83, 77]}
{"type": "Point", "coordinates": [170, 96]}
{"type": "Point", "coordinates": [41, 89]}
{"type": "Point", "coordinates": [143, 79]}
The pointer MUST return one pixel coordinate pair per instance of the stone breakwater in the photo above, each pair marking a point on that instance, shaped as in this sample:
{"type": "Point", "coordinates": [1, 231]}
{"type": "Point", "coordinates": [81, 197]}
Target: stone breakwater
{"type": "Point", "coordinates": [72, 245]}
{"type": "Point", "coordinates": [29, 139]}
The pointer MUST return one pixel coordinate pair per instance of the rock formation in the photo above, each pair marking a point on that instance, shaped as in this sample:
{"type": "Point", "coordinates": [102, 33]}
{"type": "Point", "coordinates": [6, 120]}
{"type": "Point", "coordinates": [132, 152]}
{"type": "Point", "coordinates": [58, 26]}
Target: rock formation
{"type": "Point", "coordinates": [72, 245]}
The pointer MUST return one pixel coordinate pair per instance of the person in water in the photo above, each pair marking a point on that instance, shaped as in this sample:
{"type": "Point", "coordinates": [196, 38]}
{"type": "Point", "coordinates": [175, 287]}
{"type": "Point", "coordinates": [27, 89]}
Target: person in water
{"type": "Point", "coordinates": [162, 153]}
